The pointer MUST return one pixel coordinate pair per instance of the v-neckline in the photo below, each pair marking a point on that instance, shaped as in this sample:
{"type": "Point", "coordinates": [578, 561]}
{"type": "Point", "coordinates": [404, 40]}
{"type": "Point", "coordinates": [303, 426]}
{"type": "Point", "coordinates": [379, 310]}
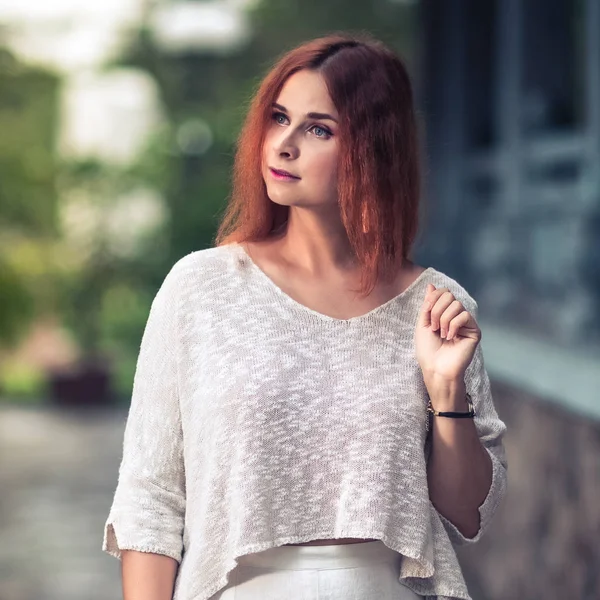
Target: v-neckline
{"type": "Point", "coordinates": [311, 311]}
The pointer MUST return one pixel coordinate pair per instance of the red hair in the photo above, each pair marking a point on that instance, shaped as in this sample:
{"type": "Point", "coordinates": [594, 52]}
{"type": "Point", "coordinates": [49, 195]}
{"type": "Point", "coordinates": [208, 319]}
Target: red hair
{"type": "Point", "coordinates": [378, 169]}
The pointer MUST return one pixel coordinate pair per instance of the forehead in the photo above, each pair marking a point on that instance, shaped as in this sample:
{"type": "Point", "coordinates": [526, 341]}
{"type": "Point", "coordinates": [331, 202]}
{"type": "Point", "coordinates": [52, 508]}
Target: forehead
{"type": "Point", "coordinates": [306, 91]}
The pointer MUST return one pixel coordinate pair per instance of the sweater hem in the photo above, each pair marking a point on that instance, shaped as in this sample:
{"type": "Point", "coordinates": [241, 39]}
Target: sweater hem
{"type": "Point", "coordinates": [435, 592]}
{"type": "Point", "coordinates": [112, 546]}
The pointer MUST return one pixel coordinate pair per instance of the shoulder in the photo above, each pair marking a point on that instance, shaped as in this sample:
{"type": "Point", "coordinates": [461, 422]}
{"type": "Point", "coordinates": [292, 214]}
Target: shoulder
{"type": "Point", "coordinates": [199, 271]}
{"type": "Point", "coordinates": [201, 264]}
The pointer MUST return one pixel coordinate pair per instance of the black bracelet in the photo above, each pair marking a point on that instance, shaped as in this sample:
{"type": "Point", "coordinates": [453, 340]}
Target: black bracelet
{"type": "Point", "coordinates": [453, 414]}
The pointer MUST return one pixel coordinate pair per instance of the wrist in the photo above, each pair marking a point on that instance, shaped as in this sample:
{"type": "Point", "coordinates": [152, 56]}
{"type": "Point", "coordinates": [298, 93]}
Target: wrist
{"type": "Point", "coordinates": [447, 394]}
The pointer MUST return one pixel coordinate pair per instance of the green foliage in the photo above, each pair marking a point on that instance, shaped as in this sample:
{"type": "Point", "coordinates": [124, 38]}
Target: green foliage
{"type": "Point", "coordinates": [28, 101]}
{"type": "Point", "coordinates": [280, 25]}
{"type": "Point", "coordinates": [22, 383]}
{"type": "Point", "coordinates": [16, 304]}
{"type": "Point", "coordinates": [107, 257]}
{"type": "Point", "coordinates": [124, 311]}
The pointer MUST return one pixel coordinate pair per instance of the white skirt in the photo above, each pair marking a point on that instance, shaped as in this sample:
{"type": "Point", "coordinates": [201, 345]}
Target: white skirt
{"type": "Point", "coordinates": [360, 571]}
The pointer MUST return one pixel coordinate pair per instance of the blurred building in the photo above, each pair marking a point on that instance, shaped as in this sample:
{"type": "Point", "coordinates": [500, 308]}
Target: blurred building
{"type": "Point", "coordinates": [511, 95]}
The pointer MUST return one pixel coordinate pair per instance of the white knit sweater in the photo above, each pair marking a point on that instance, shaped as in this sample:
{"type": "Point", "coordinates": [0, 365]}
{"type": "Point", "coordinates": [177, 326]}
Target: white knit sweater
{"type": "Point", "coordinates": [256, 421]}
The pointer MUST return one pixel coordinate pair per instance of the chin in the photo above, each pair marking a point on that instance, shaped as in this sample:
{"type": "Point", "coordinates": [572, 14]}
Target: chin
{"type": "Point", "coordinates": [280, 197]}
{"type": "Point", "coordinates": [283, 201]}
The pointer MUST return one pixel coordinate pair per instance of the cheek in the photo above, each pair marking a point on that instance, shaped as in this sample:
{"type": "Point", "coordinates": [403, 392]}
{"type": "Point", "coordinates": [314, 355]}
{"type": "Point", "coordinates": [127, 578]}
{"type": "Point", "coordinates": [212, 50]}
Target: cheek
{"type": "Point", "coordinates": [265, 152]}
{"type": "Point", "coordinates": [267, 147]}
{"type": "Point", "coordinates": [325, 164]}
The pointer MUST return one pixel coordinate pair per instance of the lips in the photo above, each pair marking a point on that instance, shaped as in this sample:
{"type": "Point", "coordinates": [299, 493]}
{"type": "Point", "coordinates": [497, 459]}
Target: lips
{"type": "Point", "coordinates": [283, 173]}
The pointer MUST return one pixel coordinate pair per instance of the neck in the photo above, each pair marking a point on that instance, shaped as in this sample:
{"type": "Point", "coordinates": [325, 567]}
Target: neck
{"type": "Point", "coordinates": [315, 243]}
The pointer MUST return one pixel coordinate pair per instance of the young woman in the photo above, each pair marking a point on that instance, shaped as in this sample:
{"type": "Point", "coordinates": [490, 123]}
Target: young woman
{"type": "Point", "coordinates": [311, 416]}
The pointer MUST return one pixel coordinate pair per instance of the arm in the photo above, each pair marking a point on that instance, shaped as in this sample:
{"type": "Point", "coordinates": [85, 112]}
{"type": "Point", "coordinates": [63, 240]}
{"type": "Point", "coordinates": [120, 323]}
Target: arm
{"type": "Point", "coordinates": [459, 472]}
{"type": "Point", "coordinates": [147, 576]}
{"type": "Point", "coordinates": [147, 513]}
{"type": "Point", "coordinates": [467, 463]}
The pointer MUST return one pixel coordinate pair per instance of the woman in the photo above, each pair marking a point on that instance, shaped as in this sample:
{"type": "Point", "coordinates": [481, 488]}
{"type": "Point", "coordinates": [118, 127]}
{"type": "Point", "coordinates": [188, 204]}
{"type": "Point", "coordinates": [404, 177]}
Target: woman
{"type": "Point", "coordinates": [301, 423]}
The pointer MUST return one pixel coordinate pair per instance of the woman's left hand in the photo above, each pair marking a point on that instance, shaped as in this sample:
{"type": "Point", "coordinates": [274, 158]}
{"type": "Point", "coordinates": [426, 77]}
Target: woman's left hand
{"type": "Point", "coordinates": [441, 315]}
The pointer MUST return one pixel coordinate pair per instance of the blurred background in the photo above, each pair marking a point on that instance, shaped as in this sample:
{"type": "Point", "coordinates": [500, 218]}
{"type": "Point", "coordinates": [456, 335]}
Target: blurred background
{"type": "Point", "coordinates": [118, 122]}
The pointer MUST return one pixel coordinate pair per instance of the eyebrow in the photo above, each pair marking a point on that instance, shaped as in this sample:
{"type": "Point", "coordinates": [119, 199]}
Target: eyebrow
{"type": "Point", "coordinates": [311, 115]}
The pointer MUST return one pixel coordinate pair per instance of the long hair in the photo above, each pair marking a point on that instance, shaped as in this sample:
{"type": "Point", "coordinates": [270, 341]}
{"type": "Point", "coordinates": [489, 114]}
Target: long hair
{"type": "Point", "coordinates": [378, 169]}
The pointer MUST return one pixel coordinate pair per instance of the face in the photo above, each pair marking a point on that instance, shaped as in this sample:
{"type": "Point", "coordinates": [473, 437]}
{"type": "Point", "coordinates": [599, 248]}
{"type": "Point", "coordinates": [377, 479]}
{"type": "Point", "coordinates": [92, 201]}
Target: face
{"type": "Point", "coordinates": [302, 139]}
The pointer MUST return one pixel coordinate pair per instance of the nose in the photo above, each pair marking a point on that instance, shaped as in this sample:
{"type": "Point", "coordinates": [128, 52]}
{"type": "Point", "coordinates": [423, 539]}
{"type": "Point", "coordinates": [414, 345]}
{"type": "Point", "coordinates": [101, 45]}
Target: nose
{"type": "Point", "coordinates": [284, 145]}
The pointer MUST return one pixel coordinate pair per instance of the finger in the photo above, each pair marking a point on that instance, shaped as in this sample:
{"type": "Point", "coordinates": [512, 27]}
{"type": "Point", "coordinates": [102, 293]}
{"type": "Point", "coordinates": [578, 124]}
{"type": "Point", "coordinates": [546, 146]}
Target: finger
{"type": "Point", "coordinates": [461, 320]}
{"type": "Point", "coordinates": [450, 313]}
{"type": "Point", "coordinates": [425, 314]}
{"type": "Point", "coordinates": [442, 303]}
{"type": "Point", "coordinates": [424, 319]}
{"type": "Point", "coordinates": [433, 293]}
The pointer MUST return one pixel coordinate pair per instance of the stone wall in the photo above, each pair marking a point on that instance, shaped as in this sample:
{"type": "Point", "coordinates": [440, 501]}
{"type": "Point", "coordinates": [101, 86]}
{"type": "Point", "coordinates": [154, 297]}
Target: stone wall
{"type": "Point", "coordinates": [545, 540]}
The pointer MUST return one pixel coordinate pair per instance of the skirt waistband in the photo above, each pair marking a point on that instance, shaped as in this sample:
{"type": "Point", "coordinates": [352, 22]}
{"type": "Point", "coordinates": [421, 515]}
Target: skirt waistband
{"type": "Point", "coordinates": [333, 556]}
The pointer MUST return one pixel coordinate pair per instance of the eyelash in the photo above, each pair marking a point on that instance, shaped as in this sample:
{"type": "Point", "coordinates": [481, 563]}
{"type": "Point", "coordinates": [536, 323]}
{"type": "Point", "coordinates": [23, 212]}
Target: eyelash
{"type": "Point", "coordinates": [327, 132]}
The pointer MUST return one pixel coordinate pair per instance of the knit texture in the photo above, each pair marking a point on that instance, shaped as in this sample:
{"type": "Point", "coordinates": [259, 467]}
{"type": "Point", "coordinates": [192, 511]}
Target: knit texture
{"type": "Point", "coordinates": [256, 421]}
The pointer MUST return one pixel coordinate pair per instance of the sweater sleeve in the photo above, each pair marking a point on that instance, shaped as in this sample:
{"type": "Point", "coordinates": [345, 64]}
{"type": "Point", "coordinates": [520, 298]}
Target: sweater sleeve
{"type": "Point", "coordinates": [147, 512]}
{"type": "Point", "coordinates": [491, 432]}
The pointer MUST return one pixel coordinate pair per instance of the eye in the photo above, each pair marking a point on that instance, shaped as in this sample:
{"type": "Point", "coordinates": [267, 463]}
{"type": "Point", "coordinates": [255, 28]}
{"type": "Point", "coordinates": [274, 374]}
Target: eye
{"type": "Point", "coordinates": [326, 133]}
{"type": "Point", "coordinates": [276, 116]}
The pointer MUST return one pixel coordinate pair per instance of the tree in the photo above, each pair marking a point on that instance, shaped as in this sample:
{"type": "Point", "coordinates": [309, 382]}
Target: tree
{"type": "Point", "coordinates": [28, 199]}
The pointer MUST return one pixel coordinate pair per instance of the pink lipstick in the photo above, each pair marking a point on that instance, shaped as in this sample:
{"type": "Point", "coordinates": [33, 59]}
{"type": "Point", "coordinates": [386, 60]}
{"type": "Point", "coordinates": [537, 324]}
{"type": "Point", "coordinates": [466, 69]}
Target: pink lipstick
{"type": "Point", "coordinates": [281, 175]}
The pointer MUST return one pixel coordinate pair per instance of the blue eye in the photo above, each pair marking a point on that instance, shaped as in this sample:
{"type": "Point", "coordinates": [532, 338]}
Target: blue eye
{"type": "Point", "coordinates": [327, 133]}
